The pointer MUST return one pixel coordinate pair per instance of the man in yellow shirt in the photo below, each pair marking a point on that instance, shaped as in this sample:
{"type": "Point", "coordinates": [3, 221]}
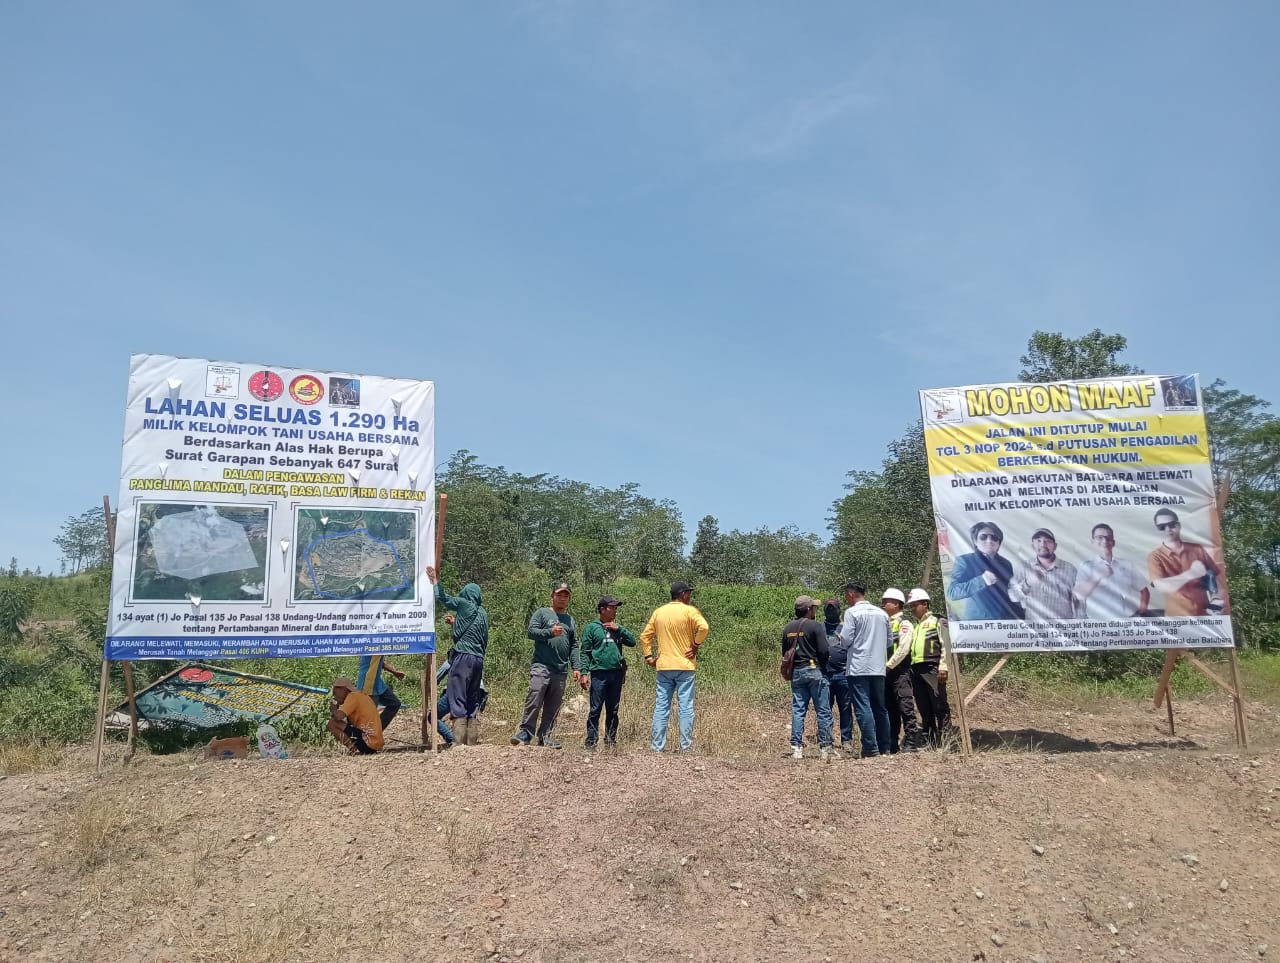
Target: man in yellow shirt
{"type": "Point", "coordinates": [679, 629]}
{"type": "Point", "coordinates": [353, 719]}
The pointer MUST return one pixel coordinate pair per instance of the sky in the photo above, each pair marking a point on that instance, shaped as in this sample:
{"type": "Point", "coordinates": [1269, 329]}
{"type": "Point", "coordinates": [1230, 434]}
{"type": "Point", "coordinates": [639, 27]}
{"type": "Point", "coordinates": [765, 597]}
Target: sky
{"type": "Point", "coordinates": [711, 248]}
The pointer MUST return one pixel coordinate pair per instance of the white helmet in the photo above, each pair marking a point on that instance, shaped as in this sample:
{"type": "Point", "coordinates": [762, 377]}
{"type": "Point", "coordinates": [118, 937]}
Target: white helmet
{"type": "Point", "coordinates": [917, 595]}
{"type": "Point", "coordinates": [895, 594]}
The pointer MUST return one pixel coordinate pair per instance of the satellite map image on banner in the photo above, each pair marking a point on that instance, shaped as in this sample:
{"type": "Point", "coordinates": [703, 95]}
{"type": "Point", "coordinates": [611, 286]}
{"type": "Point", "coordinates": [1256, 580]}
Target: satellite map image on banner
{"type": "Point", "coordinates": [355, 554]}
{"type": "Point", "coordinates": [214, 551]}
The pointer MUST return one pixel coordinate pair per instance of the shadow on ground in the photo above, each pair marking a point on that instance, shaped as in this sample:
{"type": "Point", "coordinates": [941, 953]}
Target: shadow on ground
{"type": "Point", "coordinates": [1040, 740]}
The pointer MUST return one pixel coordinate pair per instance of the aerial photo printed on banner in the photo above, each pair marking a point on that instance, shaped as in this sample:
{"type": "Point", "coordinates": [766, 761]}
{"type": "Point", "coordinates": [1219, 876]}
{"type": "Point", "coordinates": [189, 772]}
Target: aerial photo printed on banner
{"type": "Point", "coordinates": [272, 512]}
{"type": "Point", "coordinates": [1077, 515]}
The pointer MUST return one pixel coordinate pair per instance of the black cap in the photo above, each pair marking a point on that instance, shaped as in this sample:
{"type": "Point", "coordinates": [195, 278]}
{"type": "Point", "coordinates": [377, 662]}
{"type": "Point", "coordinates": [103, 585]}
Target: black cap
{"type": "Point", "coordinates": [606, 601]}
{"type": "Point", "coordinates": [852, 586]}
{"type": "Point", "coordinates": [679, 588]}
{"type": "Point", "coordinates": [561, 587]}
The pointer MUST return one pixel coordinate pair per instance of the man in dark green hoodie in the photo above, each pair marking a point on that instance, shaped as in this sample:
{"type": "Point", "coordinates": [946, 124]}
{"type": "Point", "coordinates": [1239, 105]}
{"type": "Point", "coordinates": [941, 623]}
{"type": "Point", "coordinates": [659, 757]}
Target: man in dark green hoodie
{"type": "Point", "coordinates": [466, 661]}
{"type": "Point", "coordinates": [602, 661]}
{"type": "Point", "coordinates": [555, 648]}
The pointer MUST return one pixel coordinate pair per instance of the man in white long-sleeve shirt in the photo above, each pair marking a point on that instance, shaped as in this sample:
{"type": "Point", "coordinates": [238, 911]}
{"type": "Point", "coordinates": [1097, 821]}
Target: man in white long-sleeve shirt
{"type": "Point", "coordinates": [865, 632]}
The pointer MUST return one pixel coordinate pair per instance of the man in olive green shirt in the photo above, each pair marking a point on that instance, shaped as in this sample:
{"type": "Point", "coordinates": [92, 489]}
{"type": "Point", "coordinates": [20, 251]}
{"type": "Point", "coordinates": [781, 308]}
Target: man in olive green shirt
{"type": "Point", "coordinates": [555, 648]}
{"type": "Point", "coordinates": [602, 661]}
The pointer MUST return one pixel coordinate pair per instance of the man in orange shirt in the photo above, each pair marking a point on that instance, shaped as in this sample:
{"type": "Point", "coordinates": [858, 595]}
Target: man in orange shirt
{"type": "Point", "coordinates": [1181, 569]}
{"type": "Point", "coordinates": [353, 719]}
{"type": "Point", "coordinates": [679, 629]}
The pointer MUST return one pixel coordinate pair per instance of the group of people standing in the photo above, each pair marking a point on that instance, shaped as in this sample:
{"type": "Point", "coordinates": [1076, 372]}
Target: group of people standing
{"type": "Point", "coordinates": [669, 643]}
{"type": "Point", "coordinates": [871, 665]}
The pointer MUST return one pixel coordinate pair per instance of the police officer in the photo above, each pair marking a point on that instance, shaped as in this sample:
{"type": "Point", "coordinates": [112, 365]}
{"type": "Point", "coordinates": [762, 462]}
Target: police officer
{"type": "Point", "coordinates": [930, 647]}
{"type": "Point", "coordinates": [899, 693]}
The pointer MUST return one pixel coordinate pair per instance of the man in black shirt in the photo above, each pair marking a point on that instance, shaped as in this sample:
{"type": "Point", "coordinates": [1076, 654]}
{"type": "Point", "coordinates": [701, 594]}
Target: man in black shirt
{"type": "Point", "coordinates": [808, 681]}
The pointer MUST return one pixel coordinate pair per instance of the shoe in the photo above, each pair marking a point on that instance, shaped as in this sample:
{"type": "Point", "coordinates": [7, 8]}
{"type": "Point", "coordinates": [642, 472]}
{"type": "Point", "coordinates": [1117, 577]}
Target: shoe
{"type": "Point", "coordinates": [445, 745]}
{"type": "Point", "coordinates": [797, 752]}
{"type": "Point", "coordinates": [589, 746]}
{"type": "Point", "coordinates": [828, 755]}
{"type": "Point", "coordinates": [520, 739]}
{"type": "Point", "coordinates": [549, 743]}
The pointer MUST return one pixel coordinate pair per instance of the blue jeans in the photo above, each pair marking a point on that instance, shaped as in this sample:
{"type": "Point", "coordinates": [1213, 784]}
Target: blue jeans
{"type": "Point", "coordinates": [867, 692]}
{"type": "Point", "coordinates": [808, 684]}
{"type": "Point", "coordinates": [840, 697]}
{"type": "Point", "coordinates": [677, 683]}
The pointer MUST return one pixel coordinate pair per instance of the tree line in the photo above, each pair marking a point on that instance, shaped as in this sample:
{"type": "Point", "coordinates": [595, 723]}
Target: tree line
{"type": "Point", "coordinates": [504, 526]}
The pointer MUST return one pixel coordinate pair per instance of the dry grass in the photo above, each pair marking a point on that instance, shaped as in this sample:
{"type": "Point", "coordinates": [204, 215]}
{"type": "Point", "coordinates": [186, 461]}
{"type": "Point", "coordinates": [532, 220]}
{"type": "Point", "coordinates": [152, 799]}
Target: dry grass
{"type": "Point", "coordinates": [95, 828]}
{"type": "Point", "coordinates": [467, 842]}
{"type": "Point", "coordinates": [20, 757]}
{"type": "Point", "coordinates": [290, 930]}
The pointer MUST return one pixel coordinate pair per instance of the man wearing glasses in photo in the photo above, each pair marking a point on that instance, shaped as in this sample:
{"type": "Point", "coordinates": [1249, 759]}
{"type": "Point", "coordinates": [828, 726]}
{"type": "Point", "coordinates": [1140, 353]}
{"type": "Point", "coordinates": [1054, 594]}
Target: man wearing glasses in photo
{"type": "Point", "coordinates": [1185, 572]}
{"type": "Point", "coordinates": [1110, 587]}
{"type": "Point", "coordinates": [981, 578]}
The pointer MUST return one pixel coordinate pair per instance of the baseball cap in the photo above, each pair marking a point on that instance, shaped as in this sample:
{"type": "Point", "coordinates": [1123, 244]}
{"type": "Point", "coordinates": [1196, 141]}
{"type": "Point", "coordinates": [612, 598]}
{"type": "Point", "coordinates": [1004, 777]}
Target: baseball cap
{"type": "Point", "coordinates": [561, 587]}
{"type": "Point", "coordinates": [895, 594]}
{"type": "Point", "coordinates": [806, 602]}
{"type": "Point", "coordinates": [1042, 531]}
{"type": "Point", "coordinates": [917, 595]}
{"type": "Point", "coordinates": [342, 682]}
{"type": "Point", "coordinates": [680, 587]}
{"type": "Point", "coordinates": [831, 604]}
{"type": "Point", "coordinates": [606, 601]}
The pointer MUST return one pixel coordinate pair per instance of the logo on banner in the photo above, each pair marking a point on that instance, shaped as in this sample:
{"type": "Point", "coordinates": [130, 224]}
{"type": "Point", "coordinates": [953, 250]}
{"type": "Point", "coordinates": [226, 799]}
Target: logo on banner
{"type": "Point", "coordinates": [306, 389]}
{"type": "Point", "coordinates": [266, 385]}
{"type": "Point", "coordinates": [943, 405]}
{"type": "Point", "coordinates": [344, 392]}
{"type": "Point", "coordinates": [222, 381]}
{"type": "Point", "coordinates": [1179, 393]}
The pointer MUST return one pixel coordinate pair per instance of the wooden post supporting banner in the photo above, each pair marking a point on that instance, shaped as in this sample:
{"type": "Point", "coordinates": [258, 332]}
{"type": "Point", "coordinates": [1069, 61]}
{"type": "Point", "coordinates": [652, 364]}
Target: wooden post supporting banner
{"type": "Point", "coordinates": [429, 693]}
{"type": "Point", "coordinates": [982, 683]}
{"type": "Point", "coordinates": [104, 679]}
{"type": "Point", "coordinates": [1241, 728]}
{"type": "Point", "coordinates": [133, 710]}
{"type": "Point", "coordinates": [928, 561]}
{"type": "Point", "coordinates": [966, 740]}
{"type": "Point", "coordinates": [100, 732]}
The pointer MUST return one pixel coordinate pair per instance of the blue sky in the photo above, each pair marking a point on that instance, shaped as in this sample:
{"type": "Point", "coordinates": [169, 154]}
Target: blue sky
{"type": "Point", "coordinates": [712, 248]}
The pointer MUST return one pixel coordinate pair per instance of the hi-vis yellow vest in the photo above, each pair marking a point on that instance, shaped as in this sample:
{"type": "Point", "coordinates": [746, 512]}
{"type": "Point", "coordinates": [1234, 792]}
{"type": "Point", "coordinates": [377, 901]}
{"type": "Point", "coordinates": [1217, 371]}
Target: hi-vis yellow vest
{"type": "Point", "coordinates": [926, 643]}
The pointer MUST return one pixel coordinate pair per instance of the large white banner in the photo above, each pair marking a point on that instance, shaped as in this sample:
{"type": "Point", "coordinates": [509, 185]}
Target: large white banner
{"type": "Point", "coordinates": [1077, 515]}
{"type": "Point", "coordinates": [272, 512]}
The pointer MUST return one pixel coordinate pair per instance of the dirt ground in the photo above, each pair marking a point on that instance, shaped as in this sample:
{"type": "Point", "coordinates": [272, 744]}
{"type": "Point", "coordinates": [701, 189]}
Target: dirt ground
{"type": "Point", "coordinates": [1072, 834]}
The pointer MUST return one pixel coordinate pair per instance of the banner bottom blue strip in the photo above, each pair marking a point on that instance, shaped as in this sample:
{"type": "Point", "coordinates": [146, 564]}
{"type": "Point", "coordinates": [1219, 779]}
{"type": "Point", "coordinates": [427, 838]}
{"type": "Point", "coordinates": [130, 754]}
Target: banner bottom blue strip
{"type": "Point", "coordinates": [141, 648]}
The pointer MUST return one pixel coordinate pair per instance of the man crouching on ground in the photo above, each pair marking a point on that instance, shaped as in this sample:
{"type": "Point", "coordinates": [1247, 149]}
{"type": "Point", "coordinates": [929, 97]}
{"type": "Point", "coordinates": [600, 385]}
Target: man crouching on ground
{"type": "Point", "coordinates": [353, 719]}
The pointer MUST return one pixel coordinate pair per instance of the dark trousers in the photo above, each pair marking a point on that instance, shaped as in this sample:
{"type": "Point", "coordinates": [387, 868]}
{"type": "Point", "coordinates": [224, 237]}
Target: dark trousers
{"type": "Point", "coordinates": [902, 709]}
{"type": "Point", "coordinates": [606, 693]}
{"type": "Point", "coordinates": [546, 692]}
{"type": "Point", "coordinates": [931, 699]}
{"type": "Point", "coordinates": [463, 689]}
{"type": "Point", "coordinates": [390, 703]}
{"type": "Point", "coordinates": [841, 701]}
